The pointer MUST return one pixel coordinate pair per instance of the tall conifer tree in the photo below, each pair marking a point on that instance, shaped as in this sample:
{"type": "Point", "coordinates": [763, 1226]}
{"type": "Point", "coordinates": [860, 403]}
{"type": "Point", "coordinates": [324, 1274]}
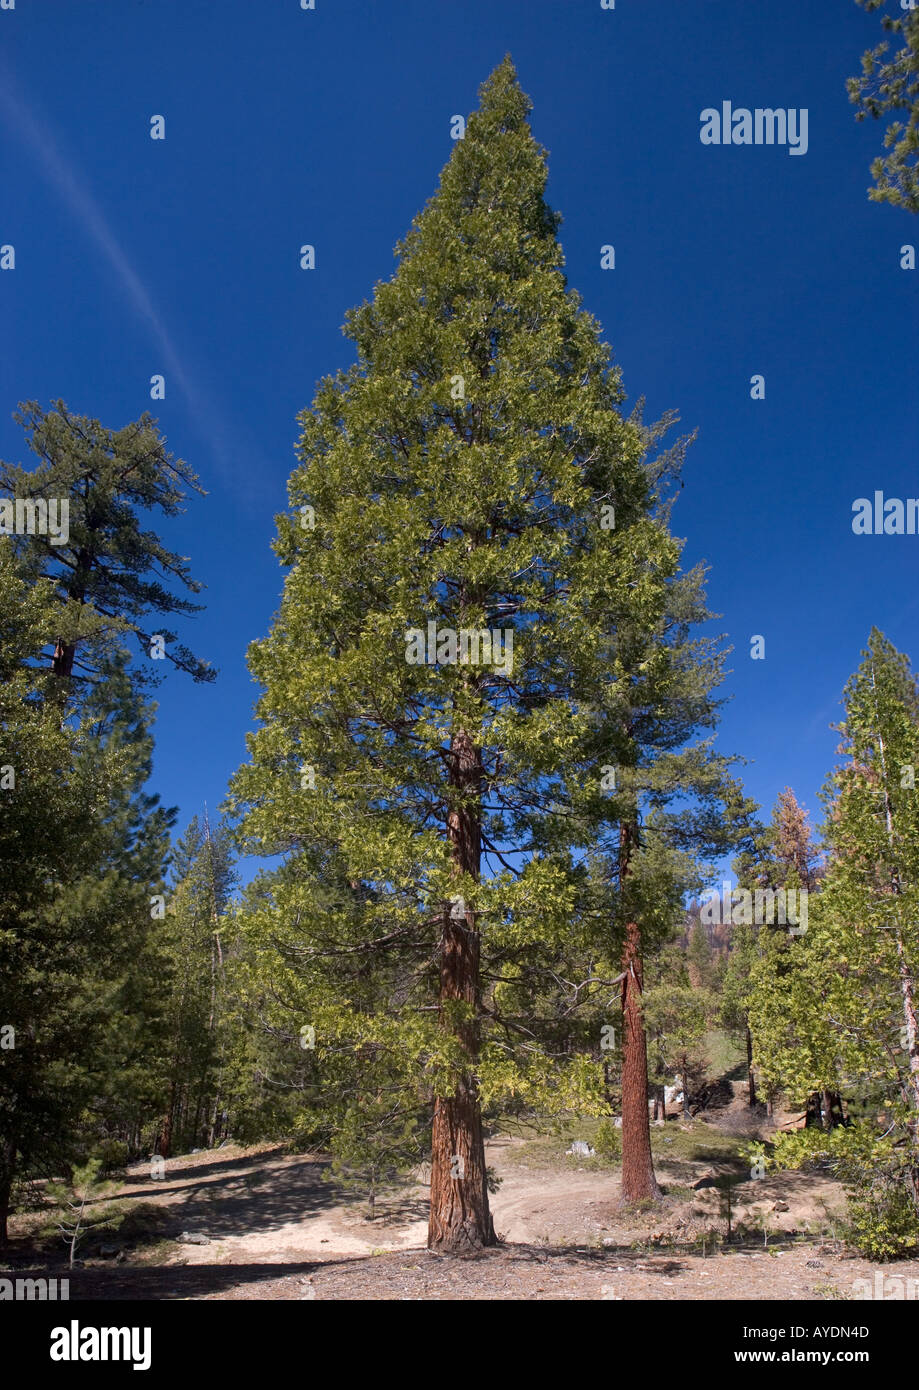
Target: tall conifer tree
{"type": "Point", "coordinates": [472, 512]}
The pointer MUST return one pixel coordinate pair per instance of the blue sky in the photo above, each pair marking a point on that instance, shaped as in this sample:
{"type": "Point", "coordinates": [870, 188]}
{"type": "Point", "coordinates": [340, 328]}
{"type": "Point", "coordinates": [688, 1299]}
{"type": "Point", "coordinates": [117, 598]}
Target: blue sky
{"type": "Point", "coordinates": [330, 126]}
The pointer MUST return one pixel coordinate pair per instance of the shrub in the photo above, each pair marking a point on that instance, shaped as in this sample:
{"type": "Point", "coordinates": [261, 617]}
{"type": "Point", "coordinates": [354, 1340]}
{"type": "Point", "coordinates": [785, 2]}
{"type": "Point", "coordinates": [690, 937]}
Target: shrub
{"type": "Point", "coordinates": [608, 1140]}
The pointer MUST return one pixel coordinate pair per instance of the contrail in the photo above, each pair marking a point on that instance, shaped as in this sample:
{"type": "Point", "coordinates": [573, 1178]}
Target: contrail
{"type": "Point", "coordinates": [89, 215]}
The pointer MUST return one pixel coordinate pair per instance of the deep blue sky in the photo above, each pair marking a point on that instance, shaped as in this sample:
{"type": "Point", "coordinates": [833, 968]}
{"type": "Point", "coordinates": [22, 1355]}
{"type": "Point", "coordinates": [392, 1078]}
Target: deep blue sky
{"type": "Point", "coordinates": [331, 127]}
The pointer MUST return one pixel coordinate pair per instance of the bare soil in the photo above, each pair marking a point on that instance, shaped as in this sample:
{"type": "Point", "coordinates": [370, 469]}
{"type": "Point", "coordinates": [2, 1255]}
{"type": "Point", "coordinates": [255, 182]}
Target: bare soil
{"type": "Point", "coordinates": [276, 1229]}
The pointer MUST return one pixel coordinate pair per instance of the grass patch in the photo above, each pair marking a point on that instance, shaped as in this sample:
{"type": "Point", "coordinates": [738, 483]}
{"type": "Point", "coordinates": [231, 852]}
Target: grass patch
{"type": "Point", "coordinates": [130, 1224]}
{"type": "Point", "coordinates": [724, 1055]}
{"type": "Point", "coordinates": [547, 1149]}
{"type": "Point", "coordinates": [700, 1144]}
{"type": "Point", "coordinates": [672, 1144]}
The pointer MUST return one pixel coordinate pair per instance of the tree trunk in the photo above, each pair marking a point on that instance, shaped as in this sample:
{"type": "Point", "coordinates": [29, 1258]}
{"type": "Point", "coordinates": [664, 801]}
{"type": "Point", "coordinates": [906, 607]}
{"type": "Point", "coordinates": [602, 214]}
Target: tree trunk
{"type": "Point", "coordinates": [684, 1078]}
{"type": "Point", "coordinates": [830, 1109]}
{"type": "Point", "coordinates": [905, 972]}
{"type": "Point", "coordinates": [751, 1080]}
{"type": "Point", "coordinates": [638, 1180]}
{"type": "Point", "coordinates": [163, 1145]}
{"type": "Point", "coordinates": [63, 658]}
{"type": "Point", "coordinates": [7, 1173]}
{"type": "Point", "coordinates": [910, 1033]}
{"type": "Point", "coordinates": [212, 1127]}
{"type": "Point", "coordinates": [460, 1220]}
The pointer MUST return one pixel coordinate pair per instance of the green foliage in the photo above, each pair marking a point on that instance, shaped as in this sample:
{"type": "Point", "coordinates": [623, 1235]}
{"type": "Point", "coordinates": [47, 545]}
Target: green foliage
{"type": "Point", "coordinates": [84, 1189]}
{"type": "Point", "coordinates": [374, 1148]}
{"type": "Point", "coordinates": [887, 85]}
{"type": "Point", "coordinates": [194, 1034]}
{"type": "Point", "coordinates": [110, 573]}
{"type": "Point", "coordinates": [700, 967]}
{"type": "Point", "coordinates": [876, 1171]}
{"type": "Point", "coordinates": [882, 1219]}
{"type": "Point", "coordinates": [473, 470]}
{"type": "Point", "coordinates": [608, 1140]}
{"type": "Point", "coordinates": [455, 476]}
{"type": "Point", "coordinates": [834, 1010]}
{"type": "Point", "coordinates": [77, 848]}
{"type": "Point", "coordinates": [677, 1016]}
{"type": "Point", "coordinates": [83, 846]}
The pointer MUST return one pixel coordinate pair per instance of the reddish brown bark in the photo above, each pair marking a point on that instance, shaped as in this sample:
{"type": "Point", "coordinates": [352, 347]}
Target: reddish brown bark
{"type": "Point", "coordinates": [638, 1180]}
{"type": "Point", "coordinates": [460, 1219]}
{"type": "Point", "coordinates": [62, 661]}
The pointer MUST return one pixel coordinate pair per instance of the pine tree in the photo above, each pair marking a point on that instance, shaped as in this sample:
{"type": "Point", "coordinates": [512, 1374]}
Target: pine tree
{"type": "Point", "coordinates": [780, 856]}
{"type": "Point", "coordinates": [663, 788]}
{"type": "Point", "coordinates": [471, 475]}
{"type": "Point", "coordinates": [110, 574]}
{"type": "Point", "coordinates": [735, 995]}
{"type": "Point", "coordinates": [888, 85]}
{"type": "Point", "coordinates": [192, 950]}
{"type": "Point", "coordinates": [677, 1012]}
{"type": "Point", "coordinates": [82, 844]}
{"type": "Point", "coordinates": [792, 846]}
{"type": "Point", "coordinates": [699, 964]}
{"type": "Point", "coordinates": [849, 1011]}
{"type": "Point", "coordinates": [69, 910]}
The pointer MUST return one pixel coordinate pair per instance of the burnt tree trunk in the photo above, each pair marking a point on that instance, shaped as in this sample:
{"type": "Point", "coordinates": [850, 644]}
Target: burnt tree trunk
{"type": "Point", "coordinates": [460, 1219]}
{"type": "Point", "coordinates": [638, 1180]}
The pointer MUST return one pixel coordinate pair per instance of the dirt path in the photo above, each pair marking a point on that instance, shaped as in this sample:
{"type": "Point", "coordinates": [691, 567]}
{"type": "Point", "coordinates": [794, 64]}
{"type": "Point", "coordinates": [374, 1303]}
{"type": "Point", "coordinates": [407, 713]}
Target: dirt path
{"type": "Point", "coordinates": [274, 1228]}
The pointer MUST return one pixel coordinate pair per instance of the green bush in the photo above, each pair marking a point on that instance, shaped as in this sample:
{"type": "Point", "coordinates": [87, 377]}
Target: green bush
{"type": "Point", "coordinates": [882, 1221]}
{"type": "Point", "coordinates": [608, 1140]}
{"type": "Point", "coordinates": [112, 1155]}
{"type": "Point", "coordinates": [879, 1176]}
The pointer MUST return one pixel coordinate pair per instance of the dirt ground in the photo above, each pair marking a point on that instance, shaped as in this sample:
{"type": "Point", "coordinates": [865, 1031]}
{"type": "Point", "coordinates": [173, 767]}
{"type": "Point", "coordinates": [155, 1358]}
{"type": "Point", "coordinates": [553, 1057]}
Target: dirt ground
{"type": "Point", "coordinates": [275, 1229]}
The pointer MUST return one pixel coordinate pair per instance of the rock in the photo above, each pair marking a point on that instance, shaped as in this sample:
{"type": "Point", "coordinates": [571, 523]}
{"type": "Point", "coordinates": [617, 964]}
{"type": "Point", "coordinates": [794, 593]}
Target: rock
{"type": "Point", "coordinates": [581, 1148]}
{"type": "Point", "coordinates": [193, 1238]}
{"type": "Point", "coordinates": [780, 1206]}
{"type": "Point", "coordinates": [814, 1264]}
{"type": "Point", "coordinates": [609, 1241]}
{"type": "Point", "coordinates": [617, 1122]}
